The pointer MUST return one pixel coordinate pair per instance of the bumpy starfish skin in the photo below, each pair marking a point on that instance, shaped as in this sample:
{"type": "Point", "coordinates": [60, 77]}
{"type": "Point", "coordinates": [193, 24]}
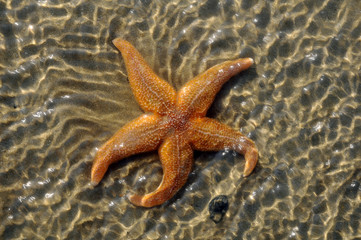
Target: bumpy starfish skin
{"type": "Point", "coordinates": [174, 123]}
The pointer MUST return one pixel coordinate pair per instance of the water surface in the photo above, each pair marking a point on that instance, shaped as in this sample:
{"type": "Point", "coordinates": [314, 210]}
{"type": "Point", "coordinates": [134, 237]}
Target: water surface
{"type": "Point", "coordinates": [64, 92]}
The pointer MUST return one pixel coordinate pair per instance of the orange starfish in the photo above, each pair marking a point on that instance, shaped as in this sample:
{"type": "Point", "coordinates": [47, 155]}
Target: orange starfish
{"type": "Point", "coordinates": [174, 123]}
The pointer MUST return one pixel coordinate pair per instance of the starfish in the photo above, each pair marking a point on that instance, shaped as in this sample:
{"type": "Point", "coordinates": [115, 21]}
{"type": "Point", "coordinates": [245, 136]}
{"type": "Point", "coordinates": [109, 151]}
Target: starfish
{"type": "Point", "coordinates": [174, 123]}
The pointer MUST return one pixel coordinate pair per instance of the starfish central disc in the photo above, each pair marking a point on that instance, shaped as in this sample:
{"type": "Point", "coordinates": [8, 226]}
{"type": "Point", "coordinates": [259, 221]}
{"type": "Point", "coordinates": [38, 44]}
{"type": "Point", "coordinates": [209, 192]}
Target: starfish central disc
{"type": "Point", "coordinates": [178, 120]}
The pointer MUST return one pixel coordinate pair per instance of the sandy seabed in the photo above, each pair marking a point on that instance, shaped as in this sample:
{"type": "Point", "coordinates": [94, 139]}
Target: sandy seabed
{"type": "Point", "coordinates": [64, 92]}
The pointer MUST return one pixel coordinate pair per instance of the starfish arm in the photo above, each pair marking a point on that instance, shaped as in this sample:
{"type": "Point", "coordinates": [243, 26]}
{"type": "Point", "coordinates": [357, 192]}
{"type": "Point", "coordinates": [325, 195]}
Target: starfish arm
{"type": "Point", "coordinates": [198, 94]}
{"type": "Point", "coordinates": [140, 135]}
{"type": "Point", "coordinates": [210, 135]}
{"type": "Point", "coordinates": [152, 93]}
{"type": "Point", "coordinates": [176, 156]}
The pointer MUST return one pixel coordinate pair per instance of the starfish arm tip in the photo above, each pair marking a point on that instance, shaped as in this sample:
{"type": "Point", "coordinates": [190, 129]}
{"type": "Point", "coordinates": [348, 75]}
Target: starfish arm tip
{"type": "Point", "coordinates": [116, 40]}
{"type": "Point", "coordinates": [137, 200]}
{"type": "Point", "coordinates": [97, 174]}
{"type": "Point", "coordinates": [94, 183]}
{"type": "Point", "coordinates": [246, 62]}
{"type": "Point", "coordinates": [120, 43]}
{"type": "Point", "coordinates": [251, 158]}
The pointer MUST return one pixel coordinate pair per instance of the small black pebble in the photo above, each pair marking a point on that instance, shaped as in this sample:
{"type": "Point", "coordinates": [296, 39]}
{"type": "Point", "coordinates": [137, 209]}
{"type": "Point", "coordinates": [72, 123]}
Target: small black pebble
{"type": "Point", "coordinates": [218, 208]}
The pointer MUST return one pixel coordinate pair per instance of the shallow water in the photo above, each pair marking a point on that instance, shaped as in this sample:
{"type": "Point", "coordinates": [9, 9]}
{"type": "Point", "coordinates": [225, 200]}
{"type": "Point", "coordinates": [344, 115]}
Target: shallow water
{"type": "Point", "coordinates": [64, 92]}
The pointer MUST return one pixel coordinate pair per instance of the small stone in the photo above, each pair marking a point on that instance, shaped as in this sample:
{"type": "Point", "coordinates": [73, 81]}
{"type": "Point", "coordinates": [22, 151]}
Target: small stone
{"type": "Point", "coordinates": [218, 208]}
